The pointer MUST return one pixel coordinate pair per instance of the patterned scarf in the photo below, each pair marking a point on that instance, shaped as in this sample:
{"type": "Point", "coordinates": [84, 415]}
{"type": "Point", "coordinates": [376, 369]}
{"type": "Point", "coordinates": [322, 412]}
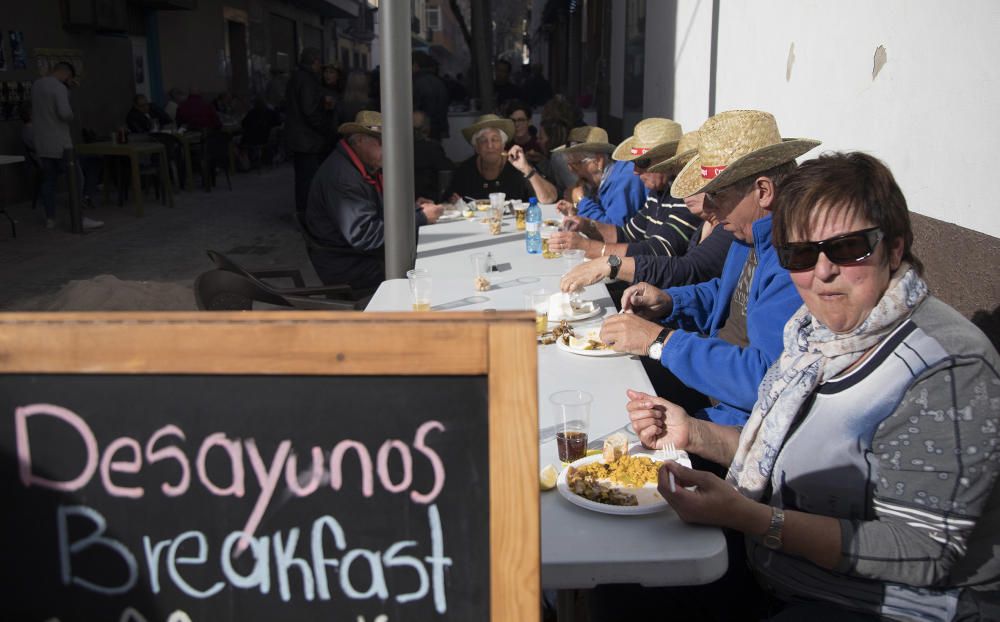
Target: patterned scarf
{"type": "Point", "coordinates": [812, 355]}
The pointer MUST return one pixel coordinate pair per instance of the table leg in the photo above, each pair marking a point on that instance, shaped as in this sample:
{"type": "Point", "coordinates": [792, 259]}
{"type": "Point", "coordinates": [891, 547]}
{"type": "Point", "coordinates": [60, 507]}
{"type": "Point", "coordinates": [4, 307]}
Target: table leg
{"type": "Point", "coordinates": [168, 187]}
{"type": "Point", "coordinates": [566, 606]}
{"type": "Point", "coordinates": [186, 147]}
{"type": "Point", "coordinates": [136, 184]}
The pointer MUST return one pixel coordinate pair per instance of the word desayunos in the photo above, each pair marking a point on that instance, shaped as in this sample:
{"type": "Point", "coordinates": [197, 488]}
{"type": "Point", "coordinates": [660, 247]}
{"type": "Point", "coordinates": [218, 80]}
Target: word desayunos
{"type": "Point", "coordinates": [125, 455]}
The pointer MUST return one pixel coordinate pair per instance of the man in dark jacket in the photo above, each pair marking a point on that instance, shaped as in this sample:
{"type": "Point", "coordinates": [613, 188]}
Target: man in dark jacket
{"type": "Point", "coordinates": [430, 94]}
{"type": "Point", "coordinates": [308, 132]}
{"type": "Point", "coordinates": [345, 212]}
{"type": "Point", "coordinates": [142, 114]}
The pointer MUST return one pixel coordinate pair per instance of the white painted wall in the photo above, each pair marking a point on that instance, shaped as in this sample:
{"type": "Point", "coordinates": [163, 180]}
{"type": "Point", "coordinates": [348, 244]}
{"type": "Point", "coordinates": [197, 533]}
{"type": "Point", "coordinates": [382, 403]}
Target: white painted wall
{"type": "Point", "coordinates": [931, 113]}
{"type": "Point", "coordinates": [692, 58]}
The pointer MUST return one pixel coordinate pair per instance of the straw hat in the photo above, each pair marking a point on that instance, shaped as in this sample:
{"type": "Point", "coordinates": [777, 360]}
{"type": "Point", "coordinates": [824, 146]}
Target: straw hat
{"type": "Point", "coordinates": [365, 122]}
{"type": "Point", "coordinates": [734, 145]}
{"type": "Point", "coordinates": [652, 138]}
{"type": "Point", "coordinates": [687, 148]}
{"type": "Point", "coordinates": [586, 138]}
{"type": "Point", "coordinates": [489, 120]}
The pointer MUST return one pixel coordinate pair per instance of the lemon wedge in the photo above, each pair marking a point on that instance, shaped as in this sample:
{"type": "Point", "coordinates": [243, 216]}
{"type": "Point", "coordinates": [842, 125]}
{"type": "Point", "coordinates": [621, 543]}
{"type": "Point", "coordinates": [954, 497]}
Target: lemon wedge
{"type": "Point", "coordinates": [547, 478]}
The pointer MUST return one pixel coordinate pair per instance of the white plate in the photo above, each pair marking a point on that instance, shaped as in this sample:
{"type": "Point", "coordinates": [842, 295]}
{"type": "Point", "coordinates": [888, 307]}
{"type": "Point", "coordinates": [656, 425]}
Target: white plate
{"type": "Point", "coordinates": [565, 348]}
{"type": "Point", "coordinates": [649, 499]}
{"type": "Point", "coordinates": [597, 310]}
{"type": "Point", "coordinates": [450, 216]}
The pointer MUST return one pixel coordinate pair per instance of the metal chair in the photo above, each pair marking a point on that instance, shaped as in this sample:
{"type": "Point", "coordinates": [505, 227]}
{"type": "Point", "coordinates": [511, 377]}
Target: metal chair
{"type": "Point", "coordinates": [330, 291]}
{"type": "Point", "coordinates": [221, 290]}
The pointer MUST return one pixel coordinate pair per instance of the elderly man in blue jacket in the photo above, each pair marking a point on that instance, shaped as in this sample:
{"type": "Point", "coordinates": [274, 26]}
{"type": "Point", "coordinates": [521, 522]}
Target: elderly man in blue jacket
{"type": "Point", "coordinates": [720, 337]}
{"type": "Point", "coordinates": [612, 194]}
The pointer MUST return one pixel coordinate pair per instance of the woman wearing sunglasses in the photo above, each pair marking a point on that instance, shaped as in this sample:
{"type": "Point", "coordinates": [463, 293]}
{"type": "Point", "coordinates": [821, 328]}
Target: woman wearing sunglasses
{"type": "Point", "coordinates": [865, 478]}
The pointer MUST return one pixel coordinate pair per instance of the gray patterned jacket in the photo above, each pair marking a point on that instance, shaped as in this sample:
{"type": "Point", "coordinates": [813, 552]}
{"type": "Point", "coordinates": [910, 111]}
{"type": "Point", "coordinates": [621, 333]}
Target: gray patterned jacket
{"type": "Point", "coordinates": [905, 451]}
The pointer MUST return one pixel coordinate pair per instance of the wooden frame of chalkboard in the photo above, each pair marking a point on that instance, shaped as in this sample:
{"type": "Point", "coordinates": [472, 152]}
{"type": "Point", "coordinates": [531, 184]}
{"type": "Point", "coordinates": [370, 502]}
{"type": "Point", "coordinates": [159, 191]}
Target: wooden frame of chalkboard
{"type": "Point", "coordinates": [499, 349]}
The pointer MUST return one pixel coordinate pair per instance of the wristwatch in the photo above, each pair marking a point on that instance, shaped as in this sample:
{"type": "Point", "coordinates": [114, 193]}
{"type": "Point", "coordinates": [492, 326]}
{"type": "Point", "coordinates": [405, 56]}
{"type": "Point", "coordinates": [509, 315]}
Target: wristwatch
{"type": "Point", "coordinates": [615, 262]}
{"type": "Point", "coordinates": [656, 348]}
{"type": "Point", "coordinates": [772, 538]}
{"type": "Point", "coordinates": [531, 174]}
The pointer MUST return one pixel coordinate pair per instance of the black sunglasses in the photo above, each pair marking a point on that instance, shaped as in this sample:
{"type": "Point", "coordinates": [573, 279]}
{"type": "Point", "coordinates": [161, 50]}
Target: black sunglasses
{"type": "Point", "coordinates": [842, 249]}
{"type": "Point", "coordinates": [642, 162]}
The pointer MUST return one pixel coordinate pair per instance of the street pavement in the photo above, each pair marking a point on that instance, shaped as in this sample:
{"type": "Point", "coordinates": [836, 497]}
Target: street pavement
{"type": "Point", "coordinates": [159, 255]}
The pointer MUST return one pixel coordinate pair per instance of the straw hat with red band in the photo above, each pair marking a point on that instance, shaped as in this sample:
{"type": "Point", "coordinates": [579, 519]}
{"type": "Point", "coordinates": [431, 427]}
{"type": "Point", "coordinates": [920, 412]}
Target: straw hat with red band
{"type": "Point", "coordinates": [586, 139]}
{"type": "Point", "coordinates": [734, 145]}
{"type": "Point", "coordinates": [489, 121]}
{"type": "Point", "coordinates": [365, 122]}
{"type": "Point", "coordinates": [652, 138]}
{"type": "Point", "coordinates": [687, 148]}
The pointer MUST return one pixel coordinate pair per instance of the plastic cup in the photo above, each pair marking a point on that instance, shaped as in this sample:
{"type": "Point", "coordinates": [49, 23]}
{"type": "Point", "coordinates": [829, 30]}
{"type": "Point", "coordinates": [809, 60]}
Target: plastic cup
{"type": "Point", "coordinates": [520, 215]}
{"type": "Point", "coordinates": [547, 232]}
{"type": "Point", "coordinates": [571, 416]}
{"type": "Point", "coordinates": [538, 301]}
{"type": "Point", "coordinates": [420, 288]}
{"type": "Point", "coordinates": [573, 257]}
{"type": "Point", "coordinates": [481, 265]}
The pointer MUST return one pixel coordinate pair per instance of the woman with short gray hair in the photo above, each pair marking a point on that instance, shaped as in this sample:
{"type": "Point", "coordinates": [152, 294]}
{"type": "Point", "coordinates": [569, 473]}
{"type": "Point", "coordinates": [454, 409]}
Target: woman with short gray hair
{"type": "Point", "coordinates": [492, 169]}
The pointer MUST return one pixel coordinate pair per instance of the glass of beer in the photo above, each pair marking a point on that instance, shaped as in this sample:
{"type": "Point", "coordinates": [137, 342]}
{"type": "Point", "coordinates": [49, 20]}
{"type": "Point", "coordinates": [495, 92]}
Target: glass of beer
{"type": "Point", "coordinates": [547, 232]}
{"type": "Point", "coordinates": [571, 416]}
{"type": "Point", "coordinates": [538, 301]}
{"type": "Point", "coordinates": [420, 288]}
{"type": "Point", "coordinates": [520, 215]}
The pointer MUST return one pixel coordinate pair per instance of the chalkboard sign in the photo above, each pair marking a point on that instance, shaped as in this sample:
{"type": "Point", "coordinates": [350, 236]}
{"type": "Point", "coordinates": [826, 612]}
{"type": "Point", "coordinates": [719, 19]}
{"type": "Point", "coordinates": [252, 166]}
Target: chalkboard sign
{"type": "Point", "coordinates": [269, 466]}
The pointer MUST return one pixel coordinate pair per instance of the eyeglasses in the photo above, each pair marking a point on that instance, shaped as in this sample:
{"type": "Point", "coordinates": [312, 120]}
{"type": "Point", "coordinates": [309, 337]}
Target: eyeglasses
{"type": "Point", "coordinates": [842, 249]}
{"type": "Point", "coordinates": [642, 162]}
{"type": "Point", "coordinates": [519, 119]}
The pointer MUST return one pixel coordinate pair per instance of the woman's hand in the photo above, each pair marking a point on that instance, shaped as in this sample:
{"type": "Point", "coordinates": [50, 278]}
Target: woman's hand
{"type": "Point", "coordinates": [658, 421]}
{"type": "Point", "coordinates": [713, 501]}
{"type": "Point", "coordinates": [647, 301]}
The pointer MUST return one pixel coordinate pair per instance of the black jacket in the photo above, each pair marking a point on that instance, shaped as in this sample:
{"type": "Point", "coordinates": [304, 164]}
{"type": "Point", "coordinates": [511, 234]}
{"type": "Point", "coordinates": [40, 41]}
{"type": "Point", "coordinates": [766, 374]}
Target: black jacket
{"type": "Point", "coordinates": [307, 127]}
{"type": "Point", "coordinates": [430, 95]}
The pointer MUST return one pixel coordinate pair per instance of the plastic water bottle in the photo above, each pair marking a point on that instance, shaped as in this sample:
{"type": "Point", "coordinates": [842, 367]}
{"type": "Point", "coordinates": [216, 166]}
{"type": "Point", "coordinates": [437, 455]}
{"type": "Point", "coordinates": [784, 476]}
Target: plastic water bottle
{"type": "Point", "coordinates": [533, 227]}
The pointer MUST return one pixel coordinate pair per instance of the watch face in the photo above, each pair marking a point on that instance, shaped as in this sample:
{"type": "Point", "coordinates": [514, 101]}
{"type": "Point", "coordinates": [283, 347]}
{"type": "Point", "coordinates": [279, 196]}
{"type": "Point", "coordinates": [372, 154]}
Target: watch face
{"type": "Point", "coordinates": [772, 542]}
{"type": "Point", "coordinates": [614, 260]}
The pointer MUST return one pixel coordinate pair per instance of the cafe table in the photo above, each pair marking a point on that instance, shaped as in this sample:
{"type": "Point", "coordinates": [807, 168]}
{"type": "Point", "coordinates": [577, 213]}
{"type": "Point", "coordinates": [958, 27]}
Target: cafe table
{"type": "Point", "coordinates": [133, 151]}
{"type": "Point", "coordinates": [579, 548]}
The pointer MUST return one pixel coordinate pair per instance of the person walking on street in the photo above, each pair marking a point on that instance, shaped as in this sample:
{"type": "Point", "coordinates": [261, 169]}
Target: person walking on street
{"type": "Point", "coordinates": [51, 115]}
{"type": "Point", "coordinates": [308, 129]}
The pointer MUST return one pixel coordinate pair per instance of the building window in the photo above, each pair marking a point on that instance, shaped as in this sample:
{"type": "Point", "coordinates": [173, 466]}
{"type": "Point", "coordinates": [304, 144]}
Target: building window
{"type": "Point", "coordinates": [434, 18]}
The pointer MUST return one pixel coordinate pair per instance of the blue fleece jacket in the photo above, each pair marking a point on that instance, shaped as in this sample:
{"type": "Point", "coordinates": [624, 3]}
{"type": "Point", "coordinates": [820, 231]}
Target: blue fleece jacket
{"type": "Point", "coordinates": [711, 366]}
{"type": "Point", "coordinates": [621, 195]}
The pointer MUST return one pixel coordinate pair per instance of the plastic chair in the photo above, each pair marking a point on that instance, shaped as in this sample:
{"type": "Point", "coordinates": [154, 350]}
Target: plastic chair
{"type": "Point", "coordinates": [224, 263]}
{"type": "Point", "coordinates": [220, 290]}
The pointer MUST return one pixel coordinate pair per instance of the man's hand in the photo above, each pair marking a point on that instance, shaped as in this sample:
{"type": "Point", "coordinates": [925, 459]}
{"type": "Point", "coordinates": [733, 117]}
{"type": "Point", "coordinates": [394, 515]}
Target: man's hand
{"type": "Point", "coordinates": [627, 332]}
{"type": "Point", "coordinates": [658, 421]}
{"type": "Point", "coordinates": [515, 155]}
{"type": "Point", "coordinates": [564, 240]}
{"type": "Point", "coordinates": [587, 273]}
{"type": "Point", "coordinates": [421, 201]}
{"type": "Point", "coordinates": [432, 211]}
{"type": "Point", "coordinates": [647, 301]}
{"type": "Point", "coordinates": [566, 208]}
